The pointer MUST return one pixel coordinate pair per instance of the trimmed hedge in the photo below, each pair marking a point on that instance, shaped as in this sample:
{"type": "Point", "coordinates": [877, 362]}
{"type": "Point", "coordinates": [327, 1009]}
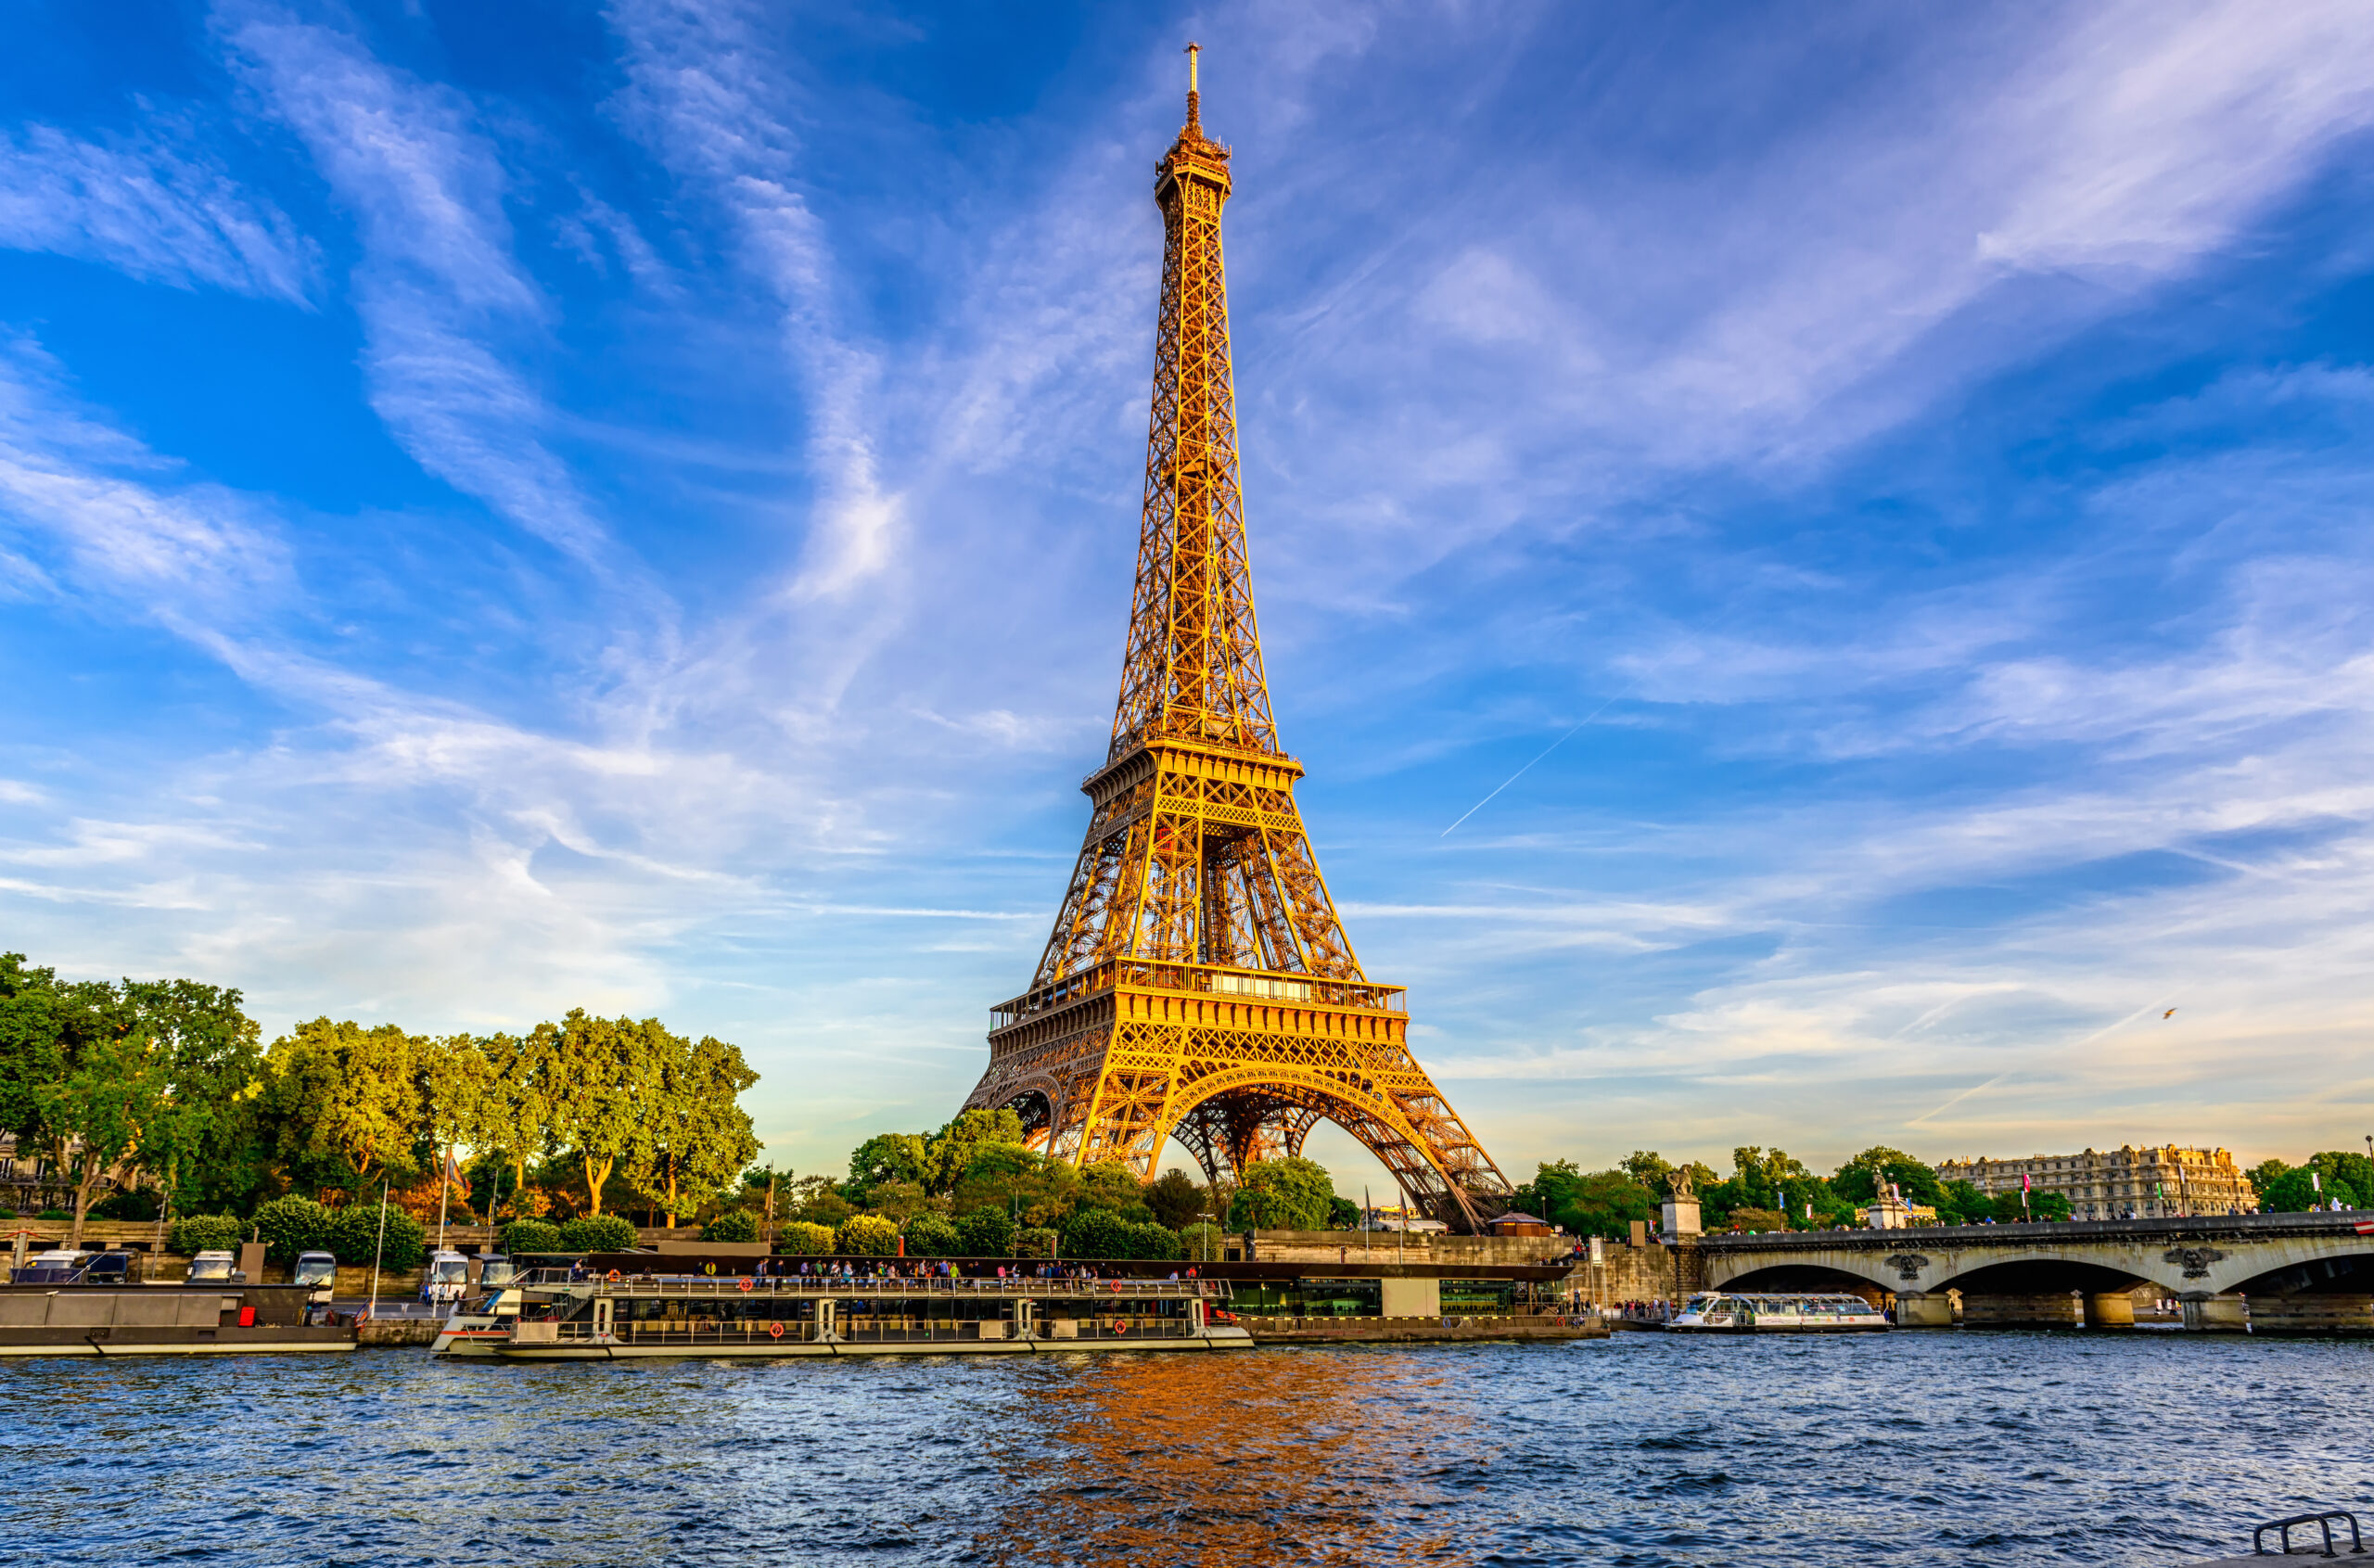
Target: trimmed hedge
{"type": "Point", "coordinates": [733, 1225]}
{"type": "Point", "coordinates": [1097, 1232]}
{"type": "Point", "coordinates": [803, 1238]}
{"type": "Point", "coordinates": [1151, 1239]}
{"type": "Point", "coordinates": [292, 1225]}
{"type": "Point", "coordinates": [986, 1232]}
{"type": "Point", "coordinates": [355, 1237]}
{"type": "Point", "coordinates": [531, 1235]}
{"type": "Point", "coordinates": [868, 1235]}
{"type": "Point", "coordinates": [928, 1235]}
{"type": "Point", "coordinates": [206, 1232]}
{"type": "Point", "coordinates": [597, 1233]}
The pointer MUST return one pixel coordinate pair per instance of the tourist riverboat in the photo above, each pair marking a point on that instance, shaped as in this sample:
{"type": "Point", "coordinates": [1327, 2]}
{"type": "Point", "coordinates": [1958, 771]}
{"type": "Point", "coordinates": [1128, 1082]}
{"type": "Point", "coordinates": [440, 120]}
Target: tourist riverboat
{"type": "Point", "coordinates": [618, 1313]}
{"type": "Point", "coordinates": [1750, 1312]}
{"type": "Point", "coordinates": [73, 1319]}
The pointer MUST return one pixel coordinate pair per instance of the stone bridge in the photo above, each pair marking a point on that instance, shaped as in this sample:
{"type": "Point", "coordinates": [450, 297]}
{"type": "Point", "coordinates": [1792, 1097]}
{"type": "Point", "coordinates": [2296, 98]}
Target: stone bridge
{"type": "Point", "coordinates": [2267, 1272]}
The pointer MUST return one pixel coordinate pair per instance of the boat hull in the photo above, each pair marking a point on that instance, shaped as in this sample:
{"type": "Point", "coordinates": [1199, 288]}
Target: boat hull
{"type": "Point", "coordinates": [503, 1349]}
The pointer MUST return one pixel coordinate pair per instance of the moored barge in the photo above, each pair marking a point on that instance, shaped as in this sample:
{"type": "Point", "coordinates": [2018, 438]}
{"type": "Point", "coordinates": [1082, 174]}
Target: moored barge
{"type": "Point", "coordinates": [548, 1315]}
{"type": "Point", "coordinates": [134, 1319]}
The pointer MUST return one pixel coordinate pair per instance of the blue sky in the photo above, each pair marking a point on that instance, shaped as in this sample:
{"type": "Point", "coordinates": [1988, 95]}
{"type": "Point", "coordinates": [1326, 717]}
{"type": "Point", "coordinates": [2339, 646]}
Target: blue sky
{"type": "Point", "coordinates": [508, 508]}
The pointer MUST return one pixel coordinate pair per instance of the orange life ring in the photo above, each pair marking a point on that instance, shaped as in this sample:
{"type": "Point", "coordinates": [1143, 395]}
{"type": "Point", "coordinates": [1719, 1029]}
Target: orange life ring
{"type": "Point", "coordinates": [1119, 1327]}
{"type": "Point", "coordinates": [614, 1275]}
{"type": "Point", "coordinates": [775, 1329]}
{"type": "Point", "coordinates": [746, 1281]}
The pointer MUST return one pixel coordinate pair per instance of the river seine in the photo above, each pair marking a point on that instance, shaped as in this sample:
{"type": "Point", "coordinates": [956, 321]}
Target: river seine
{"type": "Point", "coordinates": [1928, 1448]}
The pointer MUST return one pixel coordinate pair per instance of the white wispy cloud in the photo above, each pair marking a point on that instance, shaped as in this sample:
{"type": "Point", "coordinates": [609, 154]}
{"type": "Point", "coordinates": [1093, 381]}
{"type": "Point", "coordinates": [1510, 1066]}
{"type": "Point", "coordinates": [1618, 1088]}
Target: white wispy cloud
{"type": "Point", "coordinates": [442, 297]}
{"type": "Point", "coordinates": [706, 92]}
{"type": "Point", "coordinates": [154, 204]}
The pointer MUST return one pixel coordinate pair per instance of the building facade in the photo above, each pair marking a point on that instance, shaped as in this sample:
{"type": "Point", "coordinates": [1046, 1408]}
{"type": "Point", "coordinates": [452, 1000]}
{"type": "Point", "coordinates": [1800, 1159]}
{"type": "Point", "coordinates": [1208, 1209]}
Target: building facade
{"type": "Point", "coordinates": [2153, 1182]}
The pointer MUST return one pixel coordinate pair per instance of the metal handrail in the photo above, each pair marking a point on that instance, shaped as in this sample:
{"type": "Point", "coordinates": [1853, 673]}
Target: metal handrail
{"type": "Point", "coordinates": [2283, 1528]}
{"type": "Point", "coordinates": [812, 1285]}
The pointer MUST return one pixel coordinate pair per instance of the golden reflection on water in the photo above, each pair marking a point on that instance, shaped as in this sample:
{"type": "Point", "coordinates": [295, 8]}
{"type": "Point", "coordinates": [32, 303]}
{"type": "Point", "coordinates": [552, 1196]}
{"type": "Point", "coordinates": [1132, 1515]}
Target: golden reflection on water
{"type": "Point", "coordinates": [1243, 1457]}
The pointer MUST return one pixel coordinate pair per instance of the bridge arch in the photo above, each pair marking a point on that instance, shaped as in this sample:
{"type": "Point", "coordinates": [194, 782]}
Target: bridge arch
{"type": "Point", "coordinates": [1782, 1277]}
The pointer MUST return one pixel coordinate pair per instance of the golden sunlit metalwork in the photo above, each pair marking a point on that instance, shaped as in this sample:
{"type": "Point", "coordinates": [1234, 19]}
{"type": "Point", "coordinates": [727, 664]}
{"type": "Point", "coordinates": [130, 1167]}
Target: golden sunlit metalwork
{"type": "Point", "coordinates": [1198, 983]}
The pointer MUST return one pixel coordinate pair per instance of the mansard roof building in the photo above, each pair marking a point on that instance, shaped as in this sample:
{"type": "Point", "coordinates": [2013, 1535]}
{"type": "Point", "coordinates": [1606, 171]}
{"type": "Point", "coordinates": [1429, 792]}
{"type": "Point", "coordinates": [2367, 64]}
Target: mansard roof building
{"type": "Point", "coordinates": [2162, 1181]}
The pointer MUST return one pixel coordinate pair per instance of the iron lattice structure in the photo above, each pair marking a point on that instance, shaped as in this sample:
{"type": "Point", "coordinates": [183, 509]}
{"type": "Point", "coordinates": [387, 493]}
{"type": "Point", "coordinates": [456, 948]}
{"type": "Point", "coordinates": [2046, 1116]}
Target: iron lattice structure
{"type": "Point", "coordinates": [1198, 983]}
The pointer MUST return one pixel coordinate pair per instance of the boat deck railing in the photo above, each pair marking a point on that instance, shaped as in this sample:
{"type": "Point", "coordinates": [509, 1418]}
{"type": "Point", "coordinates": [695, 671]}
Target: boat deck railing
{"type": "Point", "coordinates": [814, 1287]}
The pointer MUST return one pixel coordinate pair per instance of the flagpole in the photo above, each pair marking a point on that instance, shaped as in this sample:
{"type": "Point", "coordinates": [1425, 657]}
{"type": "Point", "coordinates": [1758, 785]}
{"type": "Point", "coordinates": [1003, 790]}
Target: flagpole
{"type": "Point", "coordinates": [445, 1194]}
{"type": "Point", "coordinates": [381, 1250]}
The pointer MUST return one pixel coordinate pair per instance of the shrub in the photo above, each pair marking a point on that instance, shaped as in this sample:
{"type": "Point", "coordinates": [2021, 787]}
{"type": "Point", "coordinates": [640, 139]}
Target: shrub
{"type": "Point", "coordinates": [868, 1235]}
{"type": "Point", "coordinates": [1096, 1233]}
{"type": "Point", "coordinates": [1151, 1240]}
{"type": "Point", "coordinates": [985, 1232]}
{"type": "Point", "coordinates": [54, 1213]}
{"type": "Point", "coordinates": [290, 1225]}
{"type": "Point", "coordinates": [1202, 1239]}
{"type": "Point", "coordinates": [1036, 1241]}
{"type": "Point", "coordinates": [355, 1237]}
{"type": "Point", "coordinates": [597, 1233]}
{"type": "Point", "coordinates": [928, 1235]}
{"type": "Point", "coordinates": [800, 1236]}
{"type": "Point", "coordinates": [7, 1213]}
{"type": "Point", "coordinates": [733, 1225]}
{"type": "Point", "coordinates": [203, 1232]}
{"type": "Point", "coordinates": [132, 1202]}
{"type": "Point", "coordinates": [531, 1235]}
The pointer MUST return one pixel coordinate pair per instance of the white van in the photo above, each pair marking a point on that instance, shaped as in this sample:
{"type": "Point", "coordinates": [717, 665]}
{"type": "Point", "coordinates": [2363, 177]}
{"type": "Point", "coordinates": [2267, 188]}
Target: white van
{"type": "Point", "coordinates": [318, 1269]}
{"type": "Point", "coordinates": [214, 1268]}
{"type": "Point", "coordinates": [445, 1278]}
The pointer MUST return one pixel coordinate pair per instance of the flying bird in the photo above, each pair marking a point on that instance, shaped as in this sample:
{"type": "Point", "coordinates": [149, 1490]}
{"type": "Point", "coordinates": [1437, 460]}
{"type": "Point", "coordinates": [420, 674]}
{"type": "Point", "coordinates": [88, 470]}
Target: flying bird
{"type": "Point", "coordinates": [2168, 1015]}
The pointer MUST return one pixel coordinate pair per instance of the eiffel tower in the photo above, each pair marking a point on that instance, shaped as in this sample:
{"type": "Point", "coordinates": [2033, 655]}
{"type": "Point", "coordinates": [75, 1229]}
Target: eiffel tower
{"type": "Point", "coordinates": [1198, 984]}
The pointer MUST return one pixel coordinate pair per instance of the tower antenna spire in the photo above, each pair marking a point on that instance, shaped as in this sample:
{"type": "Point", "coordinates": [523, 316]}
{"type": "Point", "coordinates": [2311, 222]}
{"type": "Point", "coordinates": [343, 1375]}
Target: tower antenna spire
{"type": "Point", "coordinates": [1194, 98]}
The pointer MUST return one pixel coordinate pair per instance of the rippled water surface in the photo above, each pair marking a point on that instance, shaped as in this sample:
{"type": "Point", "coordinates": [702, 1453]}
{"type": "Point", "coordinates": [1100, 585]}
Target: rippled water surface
{"type": "Point", "coordinates": [1944, 1447]}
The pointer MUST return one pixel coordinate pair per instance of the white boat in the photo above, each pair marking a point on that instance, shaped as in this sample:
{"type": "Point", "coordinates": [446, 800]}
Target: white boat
{"type": "Point", "coordinates": [1755, 1312]}
{"type": "Point", "coordinates": [560, 1314]}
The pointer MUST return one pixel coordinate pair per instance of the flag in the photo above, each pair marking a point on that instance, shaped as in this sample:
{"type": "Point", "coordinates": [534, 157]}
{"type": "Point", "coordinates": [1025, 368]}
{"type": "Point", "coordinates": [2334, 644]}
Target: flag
{"type": "Point", "coordinates": [453, 1169]}
{"type": "Point", "coordinates": [2024, 1181]}
{"type": "Point", "coordinates": [2316, 1181]}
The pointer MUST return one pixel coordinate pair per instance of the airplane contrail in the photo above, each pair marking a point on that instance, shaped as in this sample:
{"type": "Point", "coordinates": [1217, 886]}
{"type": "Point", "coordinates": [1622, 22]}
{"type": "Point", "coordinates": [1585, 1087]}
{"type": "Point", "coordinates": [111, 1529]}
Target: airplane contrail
{"type": "Point", "coordinates": [1621, 693]}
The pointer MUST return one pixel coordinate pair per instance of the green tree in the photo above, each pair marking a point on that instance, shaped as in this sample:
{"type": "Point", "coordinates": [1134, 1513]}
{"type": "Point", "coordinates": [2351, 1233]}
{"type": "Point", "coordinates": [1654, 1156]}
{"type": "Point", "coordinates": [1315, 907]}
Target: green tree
{"type": "Point", "coordinates": [868, 1235]}
{"type": "Point", "coordinates": [803, 1238]}
{"type": "Point", "coordinates": [1013, 1181]}
{"type": "Point", "coordinates": [985, 1232]}
{"type": "Point", "coordinates": [346, 1103]}
{"type": "Point", "coordinates": [515, 1116]}
{"type": "Point", "coordinates": [456, 1090]}
{"type": "Point", "coordinates": [886, 1156]}
{"type": "Point", "coordinates": [700, 1136]}
{"type": "Point", "coordinates": [2297, 1191]}
{"type": "Point", "coordinates": [206, 1233]}
{"type": "Point", "coordinates": [735, 1225]}
{"type": "Point", "coordinates": [2264, 1175]}
{"type": "Point", "coordinates": [1292, 1193]}
{"type": "Point", "coordinates": [1600, 1203]}
{"type": "Point", "coordinates": [930, 1235]}
{"type": "Point", "coordinates": [1110, 1184]}
{"type": "Point", "coordinates": [1036, 1240]}
{"type": "Point", "coordinates": [1175, 1198]}
{"type": "Point", "coordinates": [949, 1150]}
{"type": "Point", "coordinates": [531, 1235]}
{"type": "Point", "coordinates": [355, 1237]}
{"type": "Point", "coordinates": [1150, 1240]}
{"type": "Point", "coordinates": [1648, 1167]}
{"type": "Point", "coordinates": [1858, 1180]}
{"type": "Point", "coordinates": [603, 1076]}
{"type": "Point", "coordinates": [292, 1225]}
{"type": "Point", "coordinates": [1096, 1233]}
{"type": "Point", "coordinates": [204, 1142]}
{"type": "Point", "coordinates": [2345, 1169]}
{"type": "Point", "coordinates": [597, 1233]}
